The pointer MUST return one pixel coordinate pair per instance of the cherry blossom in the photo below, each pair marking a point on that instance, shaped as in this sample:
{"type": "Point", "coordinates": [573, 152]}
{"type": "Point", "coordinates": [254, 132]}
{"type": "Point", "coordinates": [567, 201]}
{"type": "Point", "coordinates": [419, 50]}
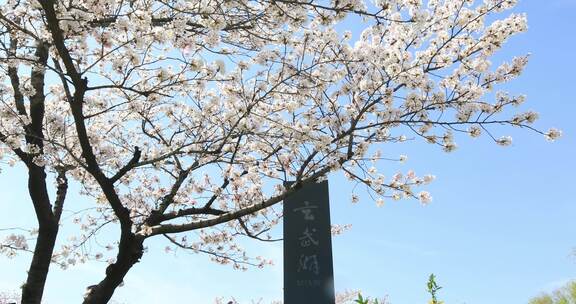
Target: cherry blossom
{"type": "Point", "coordinates": [183, 120]}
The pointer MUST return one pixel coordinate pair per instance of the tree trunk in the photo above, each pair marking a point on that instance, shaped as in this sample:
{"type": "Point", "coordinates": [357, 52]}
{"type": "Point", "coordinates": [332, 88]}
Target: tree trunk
{"type": "Point", "coordinates": [129, 253]}
{"type": "Point", "coordinates": [47, 232]}
{"type": "Point", "coordinates": [47, 221]}
{"type": "Point", "coordinates": [34, 288]}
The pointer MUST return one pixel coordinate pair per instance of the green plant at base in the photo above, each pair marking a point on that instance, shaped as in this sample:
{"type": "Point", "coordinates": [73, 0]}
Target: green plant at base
{"type": "Point", "coordinates": [433, 289]}
{"type": "Point", "coordinates": [361, 300]}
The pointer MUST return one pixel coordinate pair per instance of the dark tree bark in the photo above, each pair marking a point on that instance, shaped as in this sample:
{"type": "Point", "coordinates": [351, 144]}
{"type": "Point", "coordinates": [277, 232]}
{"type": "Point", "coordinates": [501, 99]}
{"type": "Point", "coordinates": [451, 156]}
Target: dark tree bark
{"type": "Point", "coordinates": [48, 219]}
{"type": "Point", "coordinates": [130, 248]}
{"type": "Point", "coordinates": [129, 253]}
{"type": "Point", "coordinates": [33, 290]}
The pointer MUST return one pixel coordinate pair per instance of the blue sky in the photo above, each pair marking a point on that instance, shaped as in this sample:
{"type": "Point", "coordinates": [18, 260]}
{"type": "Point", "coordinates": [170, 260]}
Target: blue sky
{"type": "Point", "coordinates": [500, 229]}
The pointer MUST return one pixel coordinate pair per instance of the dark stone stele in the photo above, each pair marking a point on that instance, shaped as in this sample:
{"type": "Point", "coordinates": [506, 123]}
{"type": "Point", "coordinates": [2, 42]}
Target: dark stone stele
{"type": "Point", "coordinates": [308, 270]}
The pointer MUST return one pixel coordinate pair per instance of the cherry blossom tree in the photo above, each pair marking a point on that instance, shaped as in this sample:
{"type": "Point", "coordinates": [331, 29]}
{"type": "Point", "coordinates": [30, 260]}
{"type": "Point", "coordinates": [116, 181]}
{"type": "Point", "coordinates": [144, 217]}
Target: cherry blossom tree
{"type": "Point", "coordinates": [183, 119]}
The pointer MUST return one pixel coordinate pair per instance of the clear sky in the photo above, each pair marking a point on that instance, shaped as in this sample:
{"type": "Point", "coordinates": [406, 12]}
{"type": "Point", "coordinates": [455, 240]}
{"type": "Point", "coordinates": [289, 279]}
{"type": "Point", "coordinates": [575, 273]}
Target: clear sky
{"type": "Point", "coordinates": [500, 230]}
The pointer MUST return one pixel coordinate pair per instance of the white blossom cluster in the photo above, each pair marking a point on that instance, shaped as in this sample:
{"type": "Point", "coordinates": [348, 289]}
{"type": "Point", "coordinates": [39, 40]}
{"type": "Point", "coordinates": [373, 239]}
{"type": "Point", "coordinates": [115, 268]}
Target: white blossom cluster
{"type": "Point", "coordinates": [12, 244]}
{"type": "Point", "coordinates": [9, 297]}
{"type": "Point", "coordinates": [220, 102]}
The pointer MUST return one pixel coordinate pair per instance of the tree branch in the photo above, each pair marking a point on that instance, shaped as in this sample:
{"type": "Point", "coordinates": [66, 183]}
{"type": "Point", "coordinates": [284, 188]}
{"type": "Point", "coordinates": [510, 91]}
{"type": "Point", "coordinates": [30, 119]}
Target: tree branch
{"type": "Point", "coordinates": [15, 80]}
{"type": "Point", "coordinates": [255, 236]}
{"type": "Point", "coordinates": [61, 191]}
{"type": "Point", "coordinates": [175, 228]}
{"type": "Point", "coordinates": [58, 37]}
{"type": "Point", "coordinates": [189, 211]}
{"type": "Point", "coordinates": [131, 164]}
